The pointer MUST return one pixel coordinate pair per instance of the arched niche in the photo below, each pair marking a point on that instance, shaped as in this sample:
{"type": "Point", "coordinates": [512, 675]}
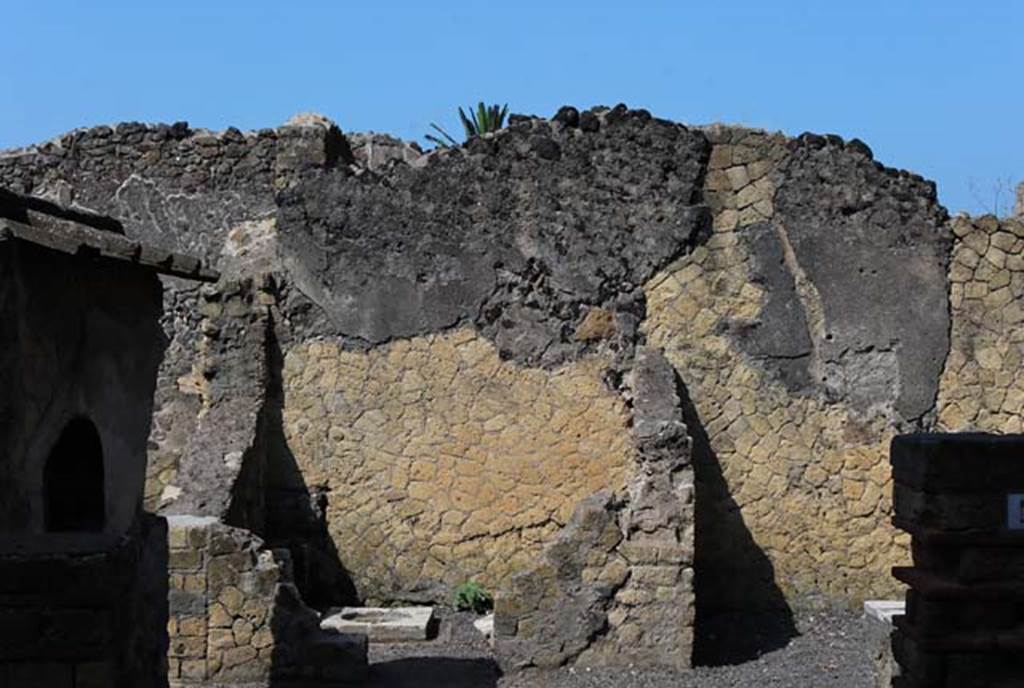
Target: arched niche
{"type": "Point", "coordinates": [74, 498]}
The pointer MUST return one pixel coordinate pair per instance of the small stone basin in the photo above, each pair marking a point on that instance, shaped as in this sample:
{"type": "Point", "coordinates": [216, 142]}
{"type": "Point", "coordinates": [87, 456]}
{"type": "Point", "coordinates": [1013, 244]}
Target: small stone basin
{"type": "Point", "coordinates": [373, 616]}
{"type": "Point", "coordinates": [381, 624]}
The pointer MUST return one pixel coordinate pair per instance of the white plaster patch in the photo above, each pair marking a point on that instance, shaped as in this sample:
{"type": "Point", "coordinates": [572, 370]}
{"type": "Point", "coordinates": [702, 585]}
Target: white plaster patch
{"type": "Point", "coordinates": [485, 625]}
{"type": "Point", "coordinates": [884, 610]}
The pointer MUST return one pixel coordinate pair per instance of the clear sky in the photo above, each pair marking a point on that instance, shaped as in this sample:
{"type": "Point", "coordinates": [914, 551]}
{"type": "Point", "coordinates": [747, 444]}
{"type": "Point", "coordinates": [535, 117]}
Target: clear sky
{"type": "Point", "coordinates": [936, 86]}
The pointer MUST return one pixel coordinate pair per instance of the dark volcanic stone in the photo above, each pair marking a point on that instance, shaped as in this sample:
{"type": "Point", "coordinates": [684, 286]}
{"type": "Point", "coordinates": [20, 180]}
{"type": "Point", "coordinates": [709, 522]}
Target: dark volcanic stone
{"type": "Point", "coordinates": [780, 338]}
{"type": "Point", "coordinates": [589, 122]}
{"type": "Point", "coordinates": [545, 148]}
{"type": "Point", "coordinates": [873, 250]}
{"type": "Point", "coordinates": [858, 146]}
{"type": "Point", "coordinates": [516, 244]}
{"type": "Point", "coordinates": [568, 115]}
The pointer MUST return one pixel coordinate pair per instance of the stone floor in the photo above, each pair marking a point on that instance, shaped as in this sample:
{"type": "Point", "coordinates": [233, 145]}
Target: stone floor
{"type": "Point", "coordinates": [811, 651]}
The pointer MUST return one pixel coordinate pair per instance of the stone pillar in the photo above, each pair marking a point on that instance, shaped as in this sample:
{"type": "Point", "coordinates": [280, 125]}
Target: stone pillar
{"type": "Point", "coordinates": [961, 498]}
{"type": "Point", "coordinates": [236, 619]}
{"type": "Point", "coordinates": [615, 587]}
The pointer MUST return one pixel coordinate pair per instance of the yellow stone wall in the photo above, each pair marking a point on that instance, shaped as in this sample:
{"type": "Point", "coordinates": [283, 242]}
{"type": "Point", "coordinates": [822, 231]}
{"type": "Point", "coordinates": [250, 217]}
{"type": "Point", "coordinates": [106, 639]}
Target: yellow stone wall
{"type": "Point", "coordinates": [445, 463]}
{"type": "Point", "coordinates": [982, 387]}
{"type": "Point", "coordinates": [811, 479]}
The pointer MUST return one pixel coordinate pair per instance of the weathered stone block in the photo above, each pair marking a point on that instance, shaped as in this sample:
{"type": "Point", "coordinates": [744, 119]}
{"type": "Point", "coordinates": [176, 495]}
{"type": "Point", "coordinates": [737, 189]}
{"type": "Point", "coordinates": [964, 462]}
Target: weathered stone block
{"type": "Point", "coordinates": [184, 647]}
{"type": "Point", "coordinates": [388, 624]}
{"type": "Point", "coordinates": [191, 626]}
{"type": "Point", "coordinates": [193, 669]}
{"type": "Point", "coordinates": [185, 560]}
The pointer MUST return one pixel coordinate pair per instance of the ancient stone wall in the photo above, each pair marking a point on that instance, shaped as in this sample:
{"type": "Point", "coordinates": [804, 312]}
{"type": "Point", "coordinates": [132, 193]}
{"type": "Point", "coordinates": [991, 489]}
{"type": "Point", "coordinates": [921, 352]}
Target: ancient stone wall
{"type": "Point", "coordinates": [440, 458]}
{"type": "Point", "coordinates": [180, 189]}
{"type": "Point", "coordinates": [982, 387]}
{"type": "Point", "coordinates": [800, 364]}
{"type": "Point", "coordinates": [236, 619]}
{"type": "Point", "coordinates": [82, 340]}
{"type": "Point", "coordinates": [437, 330]}
{"type": "Point", "coordinates": [615, 586]}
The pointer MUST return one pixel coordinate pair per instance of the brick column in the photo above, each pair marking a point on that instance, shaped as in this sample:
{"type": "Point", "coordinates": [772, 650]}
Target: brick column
{"type": "Point", "coordinates": [960, 498]}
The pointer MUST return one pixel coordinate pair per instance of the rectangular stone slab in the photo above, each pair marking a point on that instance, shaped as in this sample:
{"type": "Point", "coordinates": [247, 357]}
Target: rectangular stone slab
{"type": "Point", "coordinates": [381, 624]}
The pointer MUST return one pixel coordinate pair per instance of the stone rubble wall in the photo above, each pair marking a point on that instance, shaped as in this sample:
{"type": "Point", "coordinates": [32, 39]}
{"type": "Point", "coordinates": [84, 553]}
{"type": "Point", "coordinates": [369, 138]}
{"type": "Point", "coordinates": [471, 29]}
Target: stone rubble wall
{"type": "Point", "coordinates": [982, 387]}
{"type": "Point", "coordinates": [615, 586]}
{"type": "Point", "coordinates": [221, 468]}
{"type": "Point", "coordinates": [444, 463]}
{"type": "Point", "coordinates": [794, 397]}
{"type": "Point", "coordinates": [447, 324]}
{"type": "Point", "coordinates": [236, 619]}
{"type": "Point", "coordinates": [184, 190]}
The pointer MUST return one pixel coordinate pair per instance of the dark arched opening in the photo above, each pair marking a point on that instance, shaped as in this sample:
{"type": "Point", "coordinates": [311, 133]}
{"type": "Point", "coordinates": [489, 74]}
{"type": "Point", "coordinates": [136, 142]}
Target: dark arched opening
{"type": "Point", "coordinates": [73, 493]}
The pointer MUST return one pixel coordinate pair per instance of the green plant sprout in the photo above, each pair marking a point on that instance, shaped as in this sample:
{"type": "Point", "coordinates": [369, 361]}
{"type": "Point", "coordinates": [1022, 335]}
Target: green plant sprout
{"type": "Point", "coordinates": [481, 121]}
{"type": "Point", "coordinates": [471, 596]}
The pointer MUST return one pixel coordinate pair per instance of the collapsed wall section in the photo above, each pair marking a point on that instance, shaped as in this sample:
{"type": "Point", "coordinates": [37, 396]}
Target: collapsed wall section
{"type": "Point", "coordinates": [457, 332]}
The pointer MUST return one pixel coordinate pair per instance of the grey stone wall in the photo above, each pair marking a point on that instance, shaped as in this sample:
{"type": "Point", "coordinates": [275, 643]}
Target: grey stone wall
{"type": "Point", "coordinates": [179, 189]}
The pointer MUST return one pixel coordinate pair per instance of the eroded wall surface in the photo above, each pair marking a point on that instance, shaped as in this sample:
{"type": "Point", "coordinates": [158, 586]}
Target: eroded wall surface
{"type": "Point", "coordinates": [438, 327]}
{"type": "Point", "coordinates": [615, 585]}
{"type": "Point", "coordinates": [801, 362]}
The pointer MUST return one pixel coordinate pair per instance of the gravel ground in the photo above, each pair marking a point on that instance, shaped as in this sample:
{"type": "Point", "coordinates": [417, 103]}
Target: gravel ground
{"type": "Point", "coordinates": [814, 651]}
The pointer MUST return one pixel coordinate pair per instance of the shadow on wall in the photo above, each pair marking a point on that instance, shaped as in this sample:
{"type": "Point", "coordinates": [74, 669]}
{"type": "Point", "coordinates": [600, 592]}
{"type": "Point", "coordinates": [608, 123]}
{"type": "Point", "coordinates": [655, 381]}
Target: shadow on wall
{"type": "Point", "coordinates": [144, 631]}
{"type": "Point", "coordinates": [296, 516]}
{"type": "Point", "coordinates": [741, 612]}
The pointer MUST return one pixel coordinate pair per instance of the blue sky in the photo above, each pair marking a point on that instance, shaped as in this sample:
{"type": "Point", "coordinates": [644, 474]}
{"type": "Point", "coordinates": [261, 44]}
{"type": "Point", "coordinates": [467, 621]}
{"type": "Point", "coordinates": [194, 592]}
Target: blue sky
{"type": "Point", "coordinates": [936, 87]}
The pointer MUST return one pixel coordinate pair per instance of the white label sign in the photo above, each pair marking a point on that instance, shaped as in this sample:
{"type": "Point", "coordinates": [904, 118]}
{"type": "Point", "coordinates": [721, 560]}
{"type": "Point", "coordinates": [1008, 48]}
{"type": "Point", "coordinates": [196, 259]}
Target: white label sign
{"type": "Point", "coordinates": [1015, 511]}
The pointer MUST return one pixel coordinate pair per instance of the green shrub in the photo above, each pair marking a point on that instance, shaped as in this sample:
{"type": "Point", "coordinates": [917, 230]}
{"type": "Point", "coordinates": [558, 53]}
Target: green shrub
{"type": "Point", "coordinates": [471, 596]}
{"type": "Point", "coordinates": [481, 121]}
